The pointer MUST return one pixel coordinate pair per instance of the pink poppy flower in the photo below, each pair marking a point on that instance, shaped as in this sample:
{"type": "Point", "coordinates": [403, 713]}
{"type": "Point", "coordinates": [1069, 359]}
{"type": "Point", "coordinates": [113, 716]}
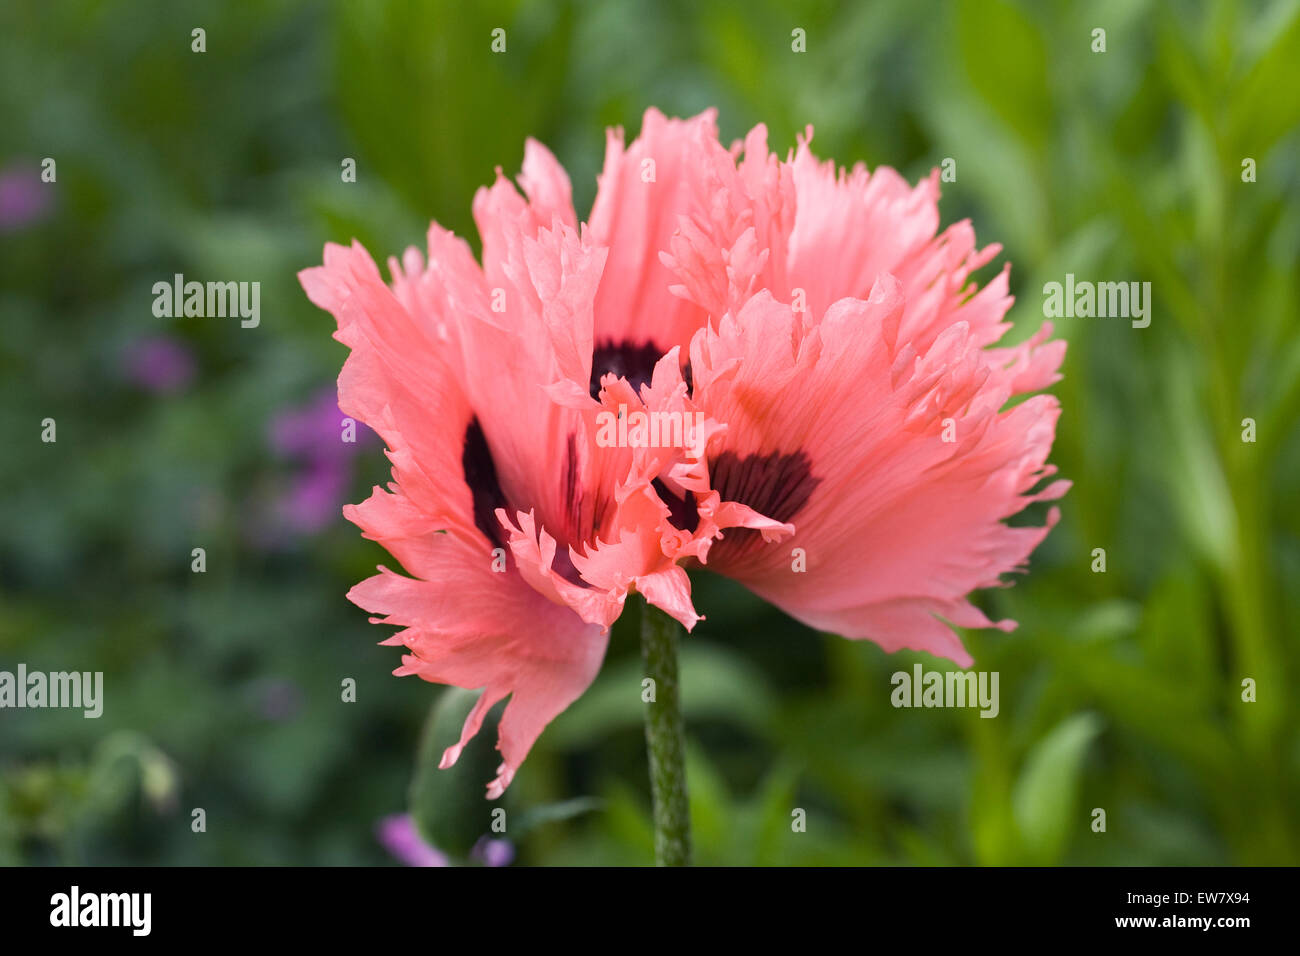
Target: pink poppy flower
{"type": "Point", "coordinates": [853, 365]}
{"type": "Point", "coordinates": [524, 531]}
{"type": "Point", "coordinates": [640, 335]}
{"type": "Point", "coordinates": [813, 387]}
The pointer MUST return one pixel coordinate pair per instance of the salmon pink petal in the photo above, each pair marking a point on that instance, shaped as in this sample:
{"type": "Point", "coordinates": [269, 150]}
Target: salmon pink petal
{"type": "Point", "coordinates": [854, 368]}
{"type": "Point", "coordinates": [896, 469]}
{"type": "Point", "coordinates": [642, 554]}
{"type": "Point", "coordinates": [853, 225]}
{"type": "Point", "coordinates": [397, 382]}
{"type": "Point", "coordinates": [733, 239]}
{"type": "Point", "coordinates": [643, 190]}
{"type": "Point", "coordinates": [471, 627]}
{"type": "Point", "coordinates": [470, 617]}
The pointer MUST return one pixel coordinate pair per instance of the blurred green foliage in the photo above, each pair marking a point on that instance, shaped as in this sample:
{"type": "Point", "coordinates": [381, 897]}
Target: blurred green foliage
{"type": "Point", "coordinates": [1120, 690]}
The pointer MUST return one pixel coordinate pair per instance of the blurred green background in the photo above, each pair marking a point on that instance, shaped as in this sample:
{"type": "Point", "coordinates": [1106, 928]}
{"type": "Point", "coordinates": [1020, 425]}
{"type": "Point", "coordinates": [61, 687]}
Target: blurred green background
{"type": "Point", "coordinates": [1121, 690]}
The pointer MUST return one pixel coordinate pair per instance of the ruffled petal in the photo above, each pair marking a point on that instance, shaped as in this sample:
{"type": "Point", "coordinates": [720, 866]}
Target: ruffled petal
{"type": "Point", "coordinates": [397, 382]}
{"type": "Point", "coordinates": [472, 627]}
{"type": "Point", "coordinates": [643, 191]}
{"type": "Point", "coordinates": [896, 469]}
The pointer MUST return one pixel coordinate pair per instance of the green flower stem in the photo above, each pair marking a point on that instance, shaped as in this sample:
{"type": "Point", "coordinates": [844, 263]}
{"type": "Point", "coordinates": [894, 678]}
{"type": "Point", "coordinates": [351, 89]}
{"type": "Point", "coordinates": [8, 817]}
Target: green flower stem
{"type": "Point", "coordinates": [664, 737]}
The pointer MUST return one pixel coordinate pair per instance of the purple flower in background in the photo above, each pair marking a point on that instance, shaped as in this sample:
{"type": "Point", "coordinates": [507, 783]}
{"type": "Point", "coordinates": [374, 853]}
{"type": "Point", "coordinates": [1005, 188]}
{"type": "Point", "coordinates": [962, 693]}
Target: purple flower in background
{"type": "Point", "coordinates": [24, 199]}
{"type": "Point", "coordinates": [321, 441]}
{"type": "Point", "coordinates": [315, 495]}
{"type": "Point", "coordinates": [492, 852]}
{"type": "Point", "coordinates": [399, 837]}
{"type": "Point", "coordinates": [279, 700]}
{"type": "Point", "coordinates": [159, 364]}
{"type": "Point", "coordinates": [313, 429]}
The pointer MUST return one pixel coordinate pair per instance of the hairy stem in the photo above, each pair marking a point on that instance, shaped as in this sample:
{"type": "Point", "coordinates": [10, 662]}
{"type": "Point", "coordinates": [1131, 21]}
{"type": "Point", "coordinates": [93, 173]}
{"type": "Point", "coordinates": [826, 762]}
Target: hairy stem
{"type": "Point", "coordinates": [664, 736]}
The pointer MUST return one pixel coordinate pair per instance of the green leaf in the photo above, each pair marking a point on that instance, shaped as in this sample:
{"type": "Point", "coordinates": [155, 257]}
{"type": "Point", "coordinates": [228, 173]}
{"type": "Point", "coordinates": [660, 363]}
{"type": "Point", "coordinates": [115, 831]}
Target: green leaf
{"type": "Point", "coordinates": [1201, 493]}
{"type": "Point", "coordinates": [1046, 793]}
{"type": "Point", "coordinates": [415, 118]}
{"type": "Point", "coordinates": [1264, 105]}
{"type": "Point", "coordinates": [449, 806]}
{"type": "Point", "coordinates": [545, 813]}
{"type": "Point", "coordinates": [1106, 620]}
{"type": "Point", "coordinates": [774, 806]}
{"type": "Point", "coordinates": [1004, 57]}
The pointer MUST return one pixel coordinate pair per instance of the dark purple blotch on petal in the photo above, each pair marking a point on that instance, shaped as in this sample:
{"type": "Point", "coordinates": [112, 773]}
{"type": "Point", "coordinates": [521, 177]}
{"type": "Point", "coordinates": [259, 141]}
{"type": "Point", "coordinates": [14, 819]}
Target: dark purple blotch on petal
{"type": "Point", "coordinates": [481, 477]}
{"type": "Point", "coordinates": [776, 485]}
{"type": "Point", "coordinates": [632, 361]}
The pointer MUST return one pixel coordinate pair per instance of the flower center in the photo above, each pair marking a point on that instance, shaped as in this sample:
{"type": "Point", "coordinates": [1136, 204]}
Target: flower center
{"type": "Point", "coordinates": [634, 362]}
{"type": "Point", "coordinates": [485, 490]}
{"type": "Point", "coordinates": [775, 485]}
